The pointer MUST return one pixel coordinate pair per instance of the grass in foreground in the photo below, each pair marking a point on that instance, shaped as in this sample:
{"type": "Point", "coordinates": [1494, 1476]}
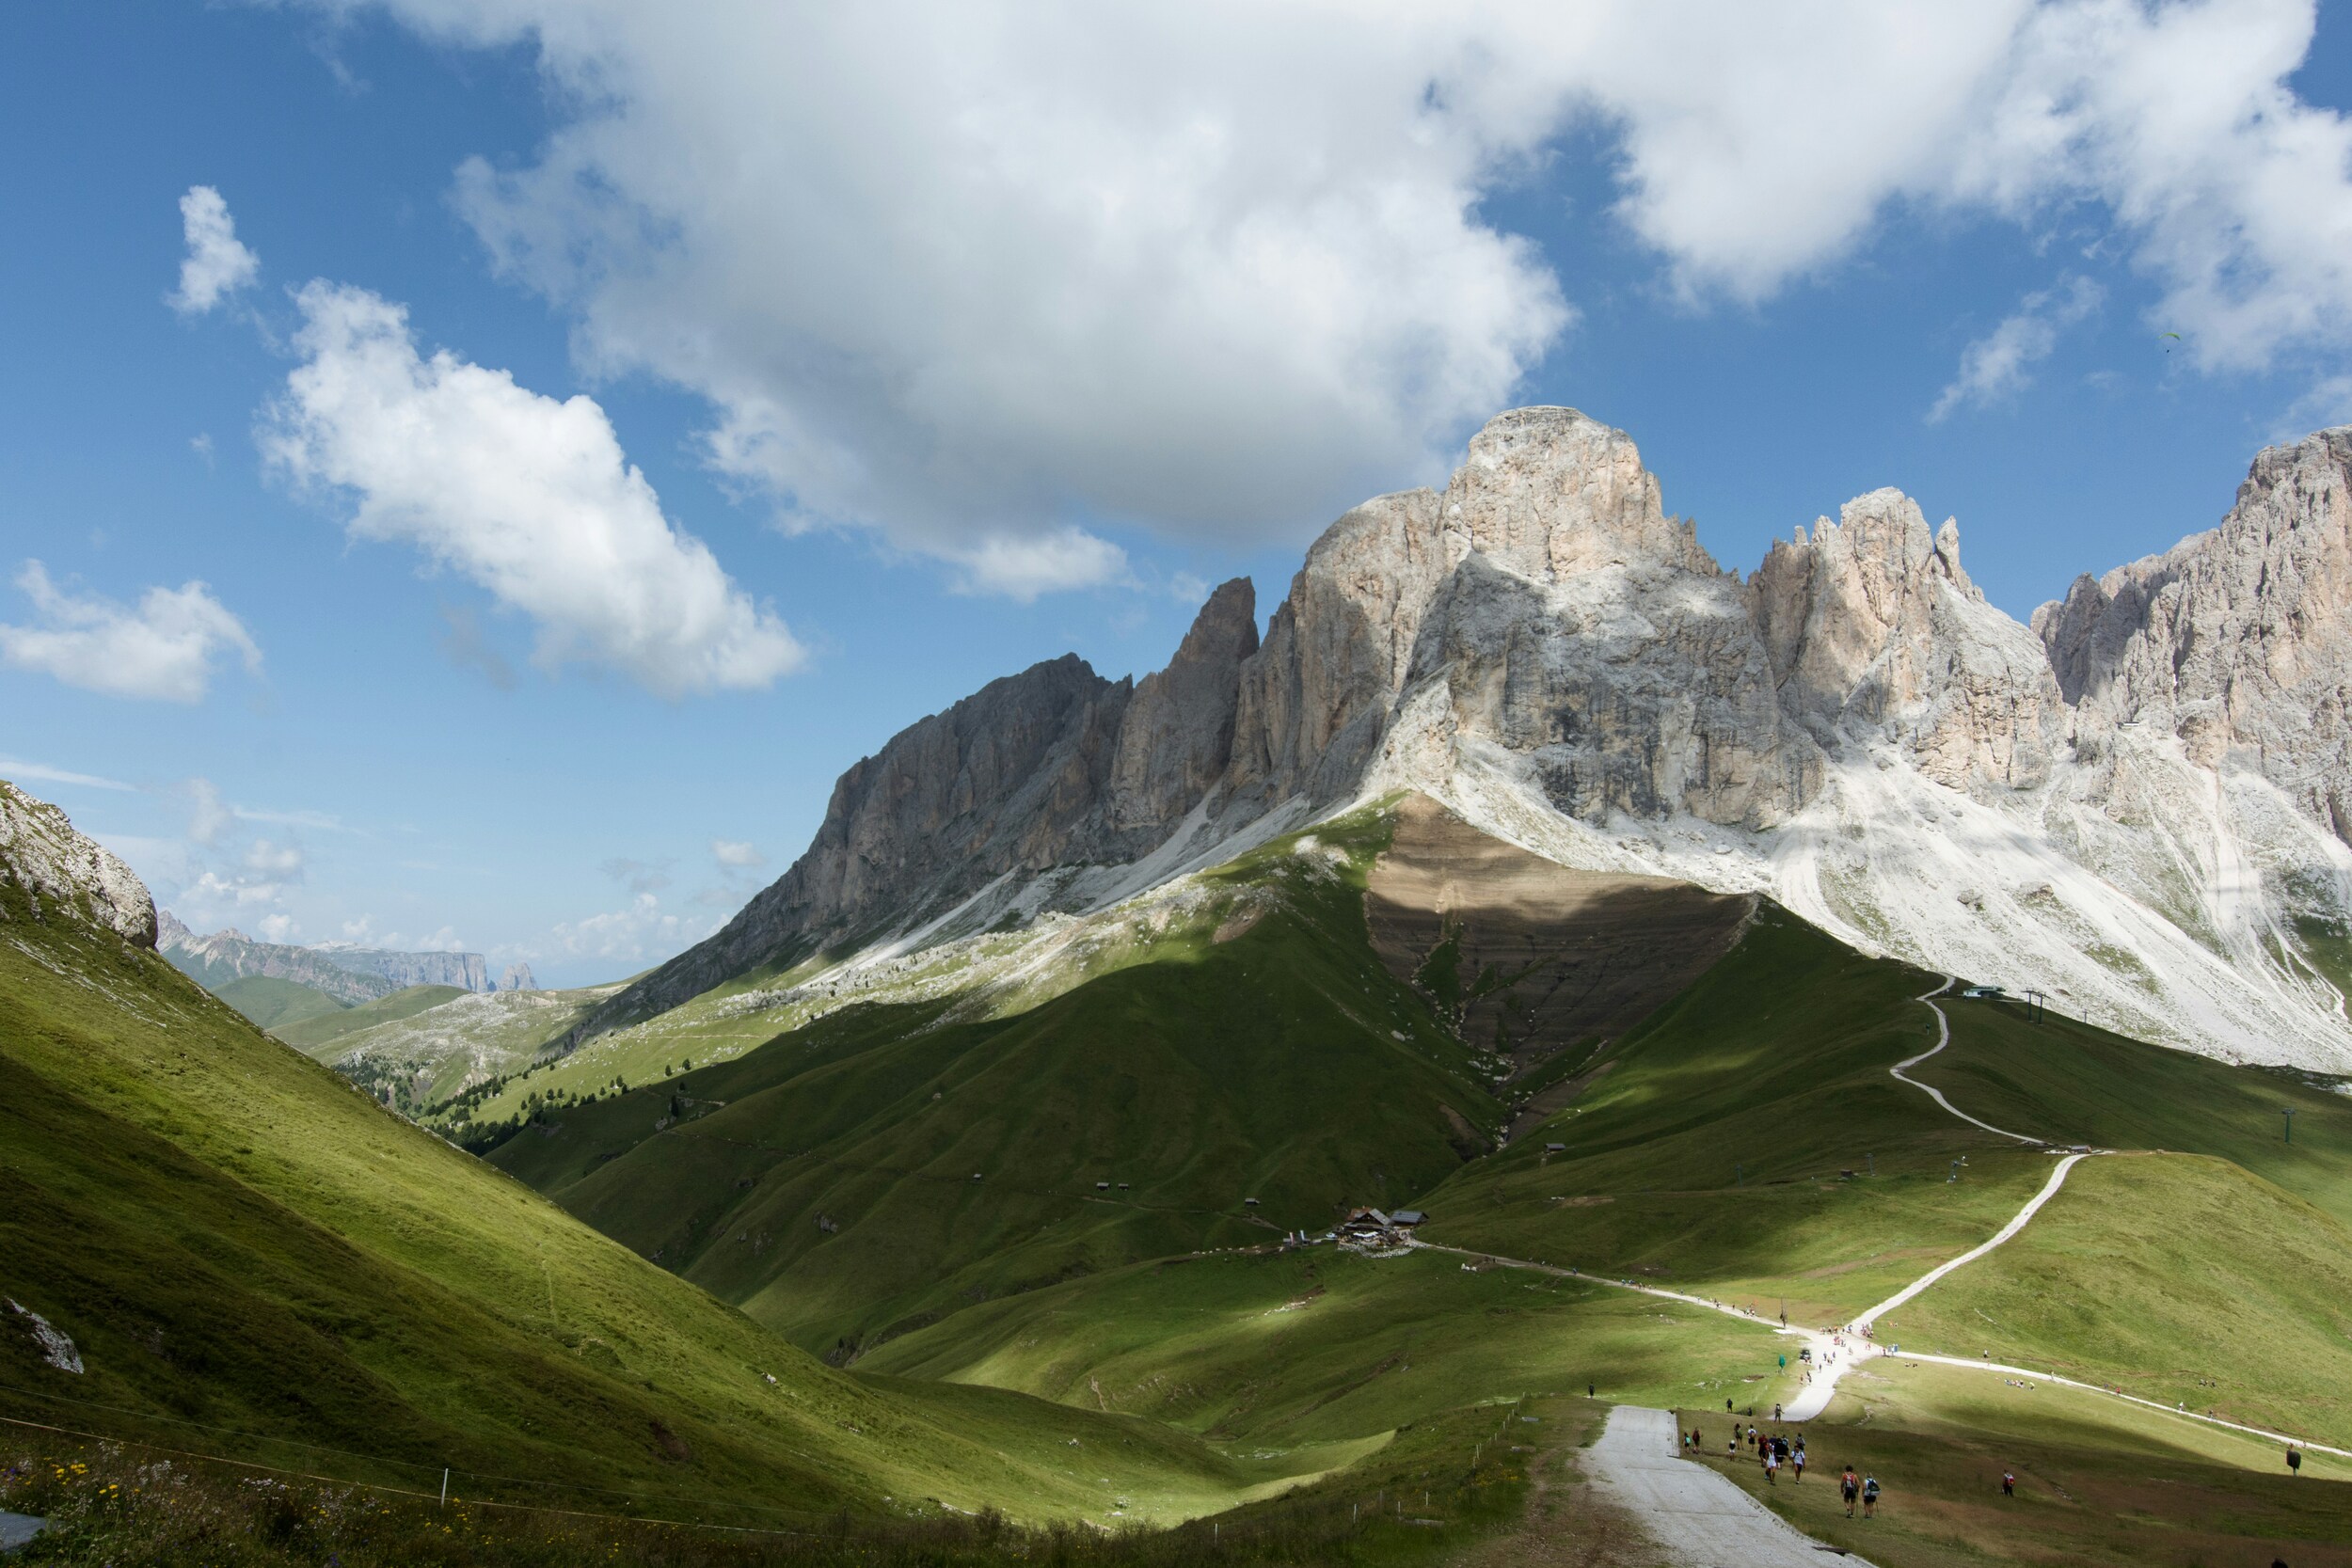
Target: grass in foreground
{"type": "Point", "coordinates": [1443, 1485]}
{"type": "Point", "coordinates": [2099, 1481]}
{"type": "Point", "coordinates": [251, 1254]}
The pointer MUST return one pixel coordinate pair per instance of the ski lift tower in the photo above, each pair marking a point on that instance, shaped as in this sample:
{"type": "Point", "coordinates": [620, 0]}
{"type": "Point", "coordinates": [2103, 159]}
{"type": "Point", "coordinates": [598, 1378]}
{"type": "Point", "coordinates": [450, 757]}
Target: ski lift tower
{"type": "Point", "coordinates": [2036, 1006]}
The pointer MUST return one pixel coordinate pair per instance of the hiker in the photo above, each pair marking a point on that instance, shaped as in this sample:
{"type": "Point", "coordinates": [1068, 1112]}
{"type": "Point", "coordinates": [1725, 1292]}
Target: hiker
{"type": "Point", "coordinates": [1772, 1465]}
{"type": "Point", "coordinates": [1796, 1465]}
{"type": "Point", "coordinates": [1731, 1449]}
{"type": "Point", "coordinates": [1776, 1413]}
{"type": "Point", "coordinates": [2009, 1483]}
{"type": "Point", "coordinates": [2294, 1462]}
{"type": "Point", "coordinates": [1726, 1407]}
{"type": "Point", "coordinates": [1780, 1448]}
{"type": "Point", "coordinates": [1869, 1496]}
{"type": "Point", "coordinates": [1849, 1487]}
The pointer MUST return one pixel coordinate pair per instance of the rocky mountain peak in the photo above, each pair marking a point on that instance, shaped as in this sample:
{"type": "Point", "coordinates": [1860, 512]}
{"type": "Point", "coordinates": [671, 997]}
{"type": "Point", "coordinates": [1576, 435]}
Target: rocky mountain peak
{"type": "Point", "coordinates": [60, 871]}
{"type": "Point", "coordinates": [1854, 728]}
{"type": "Point", "coordinates": [1176, 738]}
{"type": "Point", "coordinates": [1553, 493]}
{"type": "Point", "coordinates": [1876, 635]}
{"type": "Point", "coordinates": [2235, 641]}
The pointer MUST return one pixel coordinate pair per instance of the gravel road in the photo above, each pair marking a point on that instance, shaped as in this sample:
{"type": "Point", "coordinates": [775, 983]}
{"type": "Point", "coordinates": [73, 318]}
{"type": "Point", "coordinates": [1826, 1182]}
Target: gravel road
{"type": "Point", "coordinates": [1698, 1520]}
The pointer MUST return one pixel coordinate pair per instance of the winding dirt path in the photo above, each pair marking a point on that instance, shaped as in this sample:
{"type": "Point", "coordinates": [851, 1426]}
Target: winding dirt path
{"type": "Point", "coordinates": [1942, 1038]}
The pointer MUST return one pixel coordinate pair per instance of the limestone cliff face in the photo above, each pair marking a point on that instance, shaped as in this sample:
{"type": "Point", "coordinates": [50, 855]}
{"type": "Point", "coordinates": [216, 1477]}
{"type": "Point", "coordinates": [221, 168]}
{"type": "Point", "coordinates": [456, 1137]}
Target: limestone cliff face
{"type": "Point", "coordinates": [1048, 768]}
{"type": "Point", "coordinates": [2237, 642]}
{"type": "Point", "coordinates": [1176, 738]}
{"type": "Point", "coordinates": [1543, 648]}
{"type": "Point", "coordinates": [61, 874]}
{"type": "Point", "coordinates": [1876, 634]}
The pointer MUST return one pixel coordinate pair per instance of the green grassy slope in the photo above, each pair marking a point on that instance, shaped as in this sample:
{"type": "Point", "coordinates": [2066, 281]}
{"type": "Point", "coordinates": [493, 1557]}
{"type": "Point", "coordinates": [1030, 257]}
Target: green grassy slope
{"type": "Point", "coordinates": [1708, 1156]}
{"type": "Point", "coordinates": [2099, 1481]}
{"type": "Point", "coordinates": [270, 1002]}
{"type": "Point", "coordinates": [2180, 1278]}
{"type": "Point", "coordinates": [827, 1181]}
{"type": "Point", "coordinates": [1708, 1153]}
{"type": "Point", "coordinates": [307, 1035]}
{"type": "Point", "coordinates": [1315, 1346]}
{"type": "Point", "coordinates": [2066, 1080]}
{"type": "Point", "coordinates": [251, 1255]}
{"type": "Point", "coordinates": [419, 1059]}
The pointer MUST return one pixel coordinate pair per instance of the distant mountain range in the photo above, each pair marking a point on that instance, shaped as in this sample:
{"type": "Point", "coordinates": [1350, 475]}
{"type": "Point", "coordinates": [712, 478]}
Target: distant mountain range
{"type": "Point", "coordinates": [349, 973]}
{"type": "Point", "coordinates": [2140, 804]}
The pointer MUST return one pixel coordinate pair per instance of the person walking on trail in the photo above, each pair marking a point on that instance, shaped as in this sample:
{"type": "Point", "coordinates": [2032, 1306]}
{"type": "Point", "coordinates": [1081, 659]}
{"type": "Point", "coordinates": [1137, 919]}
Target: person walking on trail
{"type": "Point", "coordinates": [1776, 1413]}
{"type": "Point", "coordinates": [2009, 1483]}
{"type": "Point", "coordinates": [2294, 1462]}
{"type": "Point", "coordinates": [1849, 1487]}
{"type": "Point", "coordinates": [1869, 1496]}
{"type": "Point", "coordinates": [1772, 1465]}
{"type": "Point", "coordinates": [1796, 1465]}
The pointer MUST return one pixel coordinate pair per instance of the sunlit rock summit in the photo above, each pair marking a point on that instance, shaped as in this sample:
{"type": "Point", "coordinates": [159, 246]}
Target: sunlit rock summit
{"type": "Point", "coordinates": [2138, 805]}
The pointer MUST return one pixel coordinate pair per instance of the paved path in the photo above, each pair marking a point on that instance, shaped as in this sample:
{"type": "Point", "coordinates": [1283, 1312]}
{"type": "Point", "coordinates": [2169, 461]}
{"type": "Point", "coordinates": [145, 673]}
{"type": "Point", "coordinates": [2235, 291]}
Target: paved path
{"type": "Point", "coordinates": [1942, 1038]}
{"type": "Point", "coordinates": [17, 1529]}
{"type": "Point", "coordinates": [1698, 1518]}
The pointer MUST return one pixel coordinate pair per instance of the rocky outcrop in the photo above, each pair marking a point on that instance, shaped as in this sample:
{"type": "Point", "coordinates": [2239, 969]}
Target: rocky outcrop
{"type": "Point", "coordinates": [2237, 642]}
{"type": "Point", "coordinates": [517, 976]}
{"type": "Point", "coordinates": [57, 873]}
{"type": "Point", "coordinates": [1876, 635]}
{"type": "Point", "coordinates": [1176, 738]}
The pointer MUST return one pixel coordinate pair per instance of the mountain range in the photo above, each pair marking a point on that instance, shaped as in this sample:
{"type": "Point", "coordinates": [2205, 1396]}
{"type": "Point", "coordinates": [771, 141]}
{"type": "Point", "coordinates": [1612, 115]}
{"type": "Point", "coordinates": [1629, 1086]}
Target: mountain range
{"type": "Point", "coordinates": [2137, 804]}
{"type": "Point", "coordinates": [346, 972]}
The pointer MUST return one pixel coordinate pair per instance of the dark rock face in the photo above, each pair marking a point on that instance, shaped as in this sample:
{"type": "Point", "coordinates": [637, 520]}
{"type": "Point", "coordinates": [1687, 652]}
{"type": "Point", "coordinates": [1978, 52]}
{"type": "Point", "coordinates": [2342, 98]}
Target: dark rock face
{"type": "Point", "coordinates": [1052, 767]}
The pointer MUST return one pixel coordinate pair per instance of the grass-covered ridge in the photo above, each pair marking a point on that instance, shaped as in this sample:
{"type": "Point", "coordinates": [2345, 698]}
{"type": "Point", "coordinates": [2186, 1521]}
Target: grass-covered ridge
{"type": "Point", "coordinates": [307, 1035]}
{"type": "Point", "coordinates": [892, 1163]}
{"type": "Point", "coordinates": [253, 1257]}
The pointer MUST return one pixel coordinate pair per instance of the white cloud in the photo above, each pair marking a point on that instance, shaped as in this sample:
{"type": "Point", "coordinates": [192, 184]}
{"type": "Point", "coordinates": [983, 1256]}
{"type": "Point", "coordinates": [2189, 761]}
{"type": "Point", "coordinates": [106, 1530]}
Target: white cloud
{"type": "Point", "coordinates": [277, 927]}
{"type": "Point", "coordinates": [217, 263]}
{"type": "Point", "coordinates": [163, 650]}
{"type": "Point", "coordinates": [526, 496]}
{"type": "Point", "coordinates": [16, 772]}
{"type": "Point", "coordinates": [276, 863]}
{"type": "Point", "coordinates": [1997, 365]}
{"type": "Point", "coordinates": [642, 930]}
{"type": "Point", "coordinates": [736, 853]}
{"type": "Point", "coordinates": [968, 272]}
{"type": "Point", "coordinates": [1022, 566]}
{"type": "Point", "coordinates": [209, 816]}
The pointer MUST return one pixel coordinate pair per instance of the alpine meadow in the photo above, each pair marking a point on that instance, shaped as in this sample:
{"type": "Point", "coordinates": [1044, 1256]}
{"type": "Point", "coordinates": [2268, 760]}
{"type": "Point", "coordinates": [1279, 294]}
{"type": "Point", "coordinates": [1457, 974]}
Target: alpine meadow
{"type": "Point", "coordinates": [1516, 1042]}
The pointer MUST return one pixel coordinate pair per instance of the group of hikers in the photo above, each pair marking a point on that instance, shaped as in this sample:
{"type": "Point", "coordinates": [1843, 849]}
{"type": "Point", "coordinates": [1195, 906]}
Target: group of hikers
{"type": "Point", "coordinates": [1776, 1452]}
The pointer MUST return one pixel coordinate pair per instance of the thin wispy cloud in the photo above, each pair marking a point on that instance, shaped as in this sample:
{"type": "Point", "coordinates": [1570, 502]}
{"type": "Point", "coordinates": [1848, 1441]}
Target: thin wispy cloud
{"type": "Point", "coordinates": [17, 770]}
{"type": "Point", "coordinates": [2000, 364]}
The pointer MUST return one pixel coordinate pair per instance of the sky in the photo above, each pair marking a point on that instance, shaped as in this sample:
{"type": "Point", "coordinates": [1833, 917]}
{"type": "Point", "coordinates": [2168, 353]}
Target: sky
{"type": "Point", "coordinates": [473, 472]}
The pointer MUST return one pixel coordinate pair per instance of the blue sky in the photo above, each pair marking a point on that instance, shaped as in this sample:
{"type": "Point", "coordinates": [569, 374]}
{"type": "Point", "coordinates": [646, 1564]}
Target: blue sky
{"type": "Point", "coordinates": [955, 350]}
